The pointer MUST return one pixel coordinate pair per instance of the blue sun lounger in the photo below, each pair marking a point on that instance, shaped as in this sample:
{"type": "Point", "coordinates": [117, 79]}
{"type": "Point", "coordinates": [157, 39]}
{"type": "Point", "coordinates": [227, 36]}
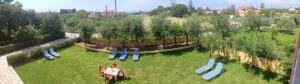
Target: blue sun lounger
{"type": "Point", "coordinates": [214, 72]}
{"type": "Point", "coordinates": [136, 54]}
{"type": "Point", "coordinates": [124, 54]}
{"type": "Point", "coordinates": [52, 52]}
{"type": "Point", "coordinates": [206, 67]}
{"type": "Point", "coordinates": [113, 54]}
{"type": "Point", "coordinates": [47, 55]}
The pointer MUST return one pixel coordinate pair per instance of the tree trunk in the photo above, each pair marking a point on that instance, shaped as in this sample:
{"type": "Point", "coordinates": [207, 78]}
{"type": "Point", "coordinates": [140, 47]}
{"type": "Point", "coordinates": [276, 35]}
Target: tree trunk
{"type": "Point", "coordinates": [108, 44]}
{"type": "Point", "coordinates": [175, 41]}
{"type": "Point", "coordinates": [137, 42]}
{"type": "Point", "coordinates": [124, 41]}
{"type": "Point", "coordinates": [187, 39]}
{"type": "Point", "coordinates": [250, 66]}
{"type": "Point", "coordinates": [164, 41]}
{"type": "Point", "coordinates": [210, 50]}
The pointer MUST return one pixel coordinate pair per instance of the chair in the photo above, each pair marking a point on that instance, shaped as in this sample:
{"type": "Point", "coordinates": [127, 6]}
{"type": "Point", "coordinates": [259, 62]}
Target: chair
{"type": "Point", "coordinates": [53, 52]}
{"type": "Point", "coordinates": [206, 67]}
{"type": "Point", "coordinates": [124, 54]}
{"type": "Point", "coordinates": [101, 70]}
{"type": "Point", "coordinates": [121, 75]}
{"type": "Point", "coordinates": [47, 55]}
{"type": "Point", "coordinates": [113, 54]}
{"type": "Point", "coordinates": [214, 72]}
{"type": "Point", "coordinates": [136, 54]}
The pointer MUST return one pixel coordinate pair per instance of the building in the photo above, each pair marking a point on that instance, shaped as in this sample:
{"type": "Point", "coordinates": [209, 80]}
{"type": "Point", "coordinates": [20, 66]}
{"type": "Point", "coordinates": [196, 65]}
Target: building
{"type": "Point", "coordinates": [244, 10]}
{"type": "Point", "coordinates": [108, 13]}
{"type": "Point", "coordinates": [208, 12]}
{"type": "Point", "coordinates": [65, 11]}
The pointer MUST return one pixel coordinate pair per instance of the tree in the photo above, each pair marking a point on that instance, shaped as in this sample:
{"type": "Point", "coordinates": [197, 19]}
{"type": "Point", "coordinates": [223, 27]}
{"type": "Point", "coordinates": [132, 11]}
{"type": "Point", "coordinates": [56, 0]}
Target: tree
{"type": "Point", "coordinates": [160, 28]}
{"type": "Point", "coordinates": [176, 30]}
{"type": "Point", "coordinates": [5, 1]}
{"type": "Point", "coordinates": [211, 42]}
{"type": "Point", "coordinates": [179, 10]}
{"type": "Point", "coordinates": [200, 11]}
{"type": "Point", "coordinates": [221, 26]}
{"type": "Point", "coordinates": [137, 29]}
{"type": "Point", "coordinates": [51, 26]}
{"type": "Point", "coordinates": [10, 15]}
{"type": "Point", "coordinates": [252, 22]}
{"type": "Point", "coordinates": [124, 25]}
{"type": "Point", "coordinates": [26, 34]}
{"type": "Point", "coordinates": [86, 32]}
{"type": "Point", "coordinates": [230, 10]}
{"type": "Point", "coordinates": [109, 31]}
{"type": "Point", "coordinates": [191, 6]}
{"type": "Point", "coordinates": [297, 19]}
{"type": "Point", "coordinates": [157, 11]}
{"type": "Point", "coordinates": [286, 24]}
{"type": "Point", "coordinates": [194, 29]}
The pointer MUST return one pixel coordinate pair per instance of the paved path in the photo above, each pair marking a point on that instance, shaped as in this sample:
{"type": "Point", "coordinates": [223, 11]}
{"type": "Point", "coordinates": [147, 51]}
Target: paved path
{"type": "Point", "coordinates": [8, 74]}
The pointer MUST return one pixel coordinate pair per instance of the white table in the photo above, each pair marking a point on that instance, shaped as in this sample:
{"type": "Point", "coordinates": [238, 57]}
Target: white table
{"type": "Point", "coordinates": [112, 71]}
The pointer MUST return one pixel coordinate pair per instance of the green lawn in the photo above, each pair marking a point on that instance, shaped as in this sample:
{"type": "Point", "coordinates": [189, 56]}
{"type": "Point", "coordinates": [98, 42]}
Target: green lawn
{"type": "Point", "coordinates": [79, 66]}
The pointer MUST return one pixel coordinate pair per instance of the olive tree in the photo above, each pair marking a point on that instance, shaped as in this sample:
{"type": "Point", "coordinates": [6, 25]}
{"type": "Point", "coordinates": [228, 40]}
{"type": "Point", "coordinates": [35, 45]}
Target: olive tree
{"type": "Point", "coordinates": [176, 30]}
{"type": "Point", "coordinates": [193, 28]}
{"type": "Point", "coordinates": [160, 28]}
{"type": "Point", "coordinates": [86, 32]}
{"type": "Point", "coordinates": [221, 27]}
{"type": "Point", "coordinates": [137, 30]}
{"type": "Point", "coordinates": [109, 31]}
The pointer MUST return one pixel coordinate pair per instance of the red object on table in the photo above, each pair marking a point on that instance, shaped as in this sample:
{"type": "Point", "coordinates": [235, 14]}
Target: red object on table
{"type": "Point", "coordinates": [115, 65]}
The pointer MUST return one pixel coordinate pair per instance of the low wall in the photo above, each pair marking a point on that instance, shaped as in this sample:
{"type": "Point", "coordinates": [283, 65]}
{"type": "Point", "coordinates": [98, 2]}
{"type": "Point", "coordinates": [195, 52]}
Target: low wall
{"type": "Point", "coordinates": [23, 55]}
{"type": "Point", "coordinates": [99, 42]}
{"type": "Point", "coordinates": [141, 52]}
{"type": "Point", "coordinates": [263, 63]}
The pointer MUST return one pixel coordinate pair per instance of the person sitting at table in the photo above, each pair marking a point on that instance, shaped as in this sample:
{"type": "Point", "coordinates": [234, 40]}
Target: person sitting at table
{"type": "Point", "coordinates": [101, 70]}
{"type": "Point", "coordinates": [121, 75]}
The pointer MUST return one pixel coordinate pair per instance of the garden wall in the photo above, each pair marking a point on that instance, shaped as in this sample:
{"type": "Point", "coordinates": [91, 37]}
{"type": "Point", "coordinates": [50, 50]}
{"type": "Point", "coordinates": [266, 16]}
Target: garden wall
{"type": "Point", "coordinates": [24, 55]}
{"type": "Point", "coordinates": [99, 42]}
{"type": "Point", "coordinates": [273, 65]}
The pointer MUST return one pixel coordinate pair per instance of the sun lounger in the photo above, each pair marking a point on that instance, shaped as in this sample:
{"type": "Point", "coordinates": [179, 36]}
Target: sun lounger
{"type": "Point", "coordinates": [206, 67]}
{"type": "Point", "coordinates": [47, 55]}
{"type": "Point", "coordinates": [214, 72]}
{"type": "Point", "coordinates": [136, 54]}
{"type": "Point", "coordinates": [124, 54]}
{"type": "Point", "coordinates": [113, 54]}
{"type": "Point", "coordinates": [53, 52]}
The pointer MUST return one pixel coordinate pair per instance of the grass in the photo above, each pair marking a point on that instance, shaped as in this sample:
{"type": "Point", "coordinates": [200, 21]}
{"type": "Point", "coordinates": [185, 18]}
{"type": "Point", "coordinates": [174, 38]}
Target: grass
{"type": "Point", "coordinates": [79, 66]}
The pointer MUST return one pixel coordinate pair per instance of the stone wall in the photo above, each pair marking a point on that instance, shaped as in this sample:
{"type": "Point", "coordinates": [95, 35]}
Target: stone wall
{"type": "Point", "coordinates": [263, 63]}
{"type": "Point", "coordinates": [99, 42]}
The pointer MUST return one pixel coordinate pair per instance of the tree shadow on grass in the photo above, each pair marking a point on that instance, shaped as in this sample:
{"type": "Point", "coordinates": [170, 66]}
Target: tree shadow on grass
{"type": "Point", "coordinates": [284, 79]}
{"type": "Point", "coordinates": [200, 48]}
{"type": "Point", "coordinates": [225, 60]}
{"type": "Point", "coordinates": [126, 78]}
{"type": "Point", "coordinates": [267, 74]}
{"type": "Point", "coordinates": [178, 52]}
{"type": "Point", "coordinates": [90, 50]}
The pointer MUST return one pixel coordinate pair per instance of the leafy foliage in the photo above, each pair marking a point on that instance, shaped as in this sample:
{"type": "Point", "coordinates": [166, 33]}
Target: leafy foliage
{"type": "Point", "coordinates": [160, 27]}
{"type": "Point", "coordinates": [179, 10]}
{"type": "Point", "coordinates": [51, 26]}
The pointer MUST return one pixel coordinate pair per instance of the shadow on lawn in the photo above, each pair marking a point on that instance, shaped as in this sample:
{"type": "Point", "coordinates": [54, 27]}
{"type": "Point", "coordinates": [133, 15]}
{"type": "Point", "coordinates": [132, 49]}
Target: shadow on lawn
{"type": "Point", "coordinates": [267, 74]}
{"type": "Point", "coordinates": [178, 52]}
{"type": "Point", "coordinates": [225, 60]}
{"type": "Point", "coordinates": [126, 78]}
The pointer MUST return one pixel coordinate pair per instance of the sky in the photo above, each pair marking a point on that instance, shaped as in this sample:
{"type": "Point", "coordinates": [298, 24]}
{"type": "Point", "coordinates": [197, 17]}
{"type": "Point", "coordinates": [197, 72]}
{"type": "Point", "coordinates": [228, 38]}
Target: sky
{"type": "Point", "coordinates": [146, 5]}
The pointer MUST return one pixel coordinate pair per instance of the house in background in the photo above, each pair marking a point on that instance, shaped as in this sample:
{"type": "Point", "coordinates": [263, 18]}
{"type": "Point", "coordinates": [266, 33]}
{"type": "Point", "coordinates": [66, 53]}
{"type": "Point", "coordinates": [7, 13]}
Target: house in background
{"type": "Point", "coordinates": [65, 11]}
{"type": "Point", "coordinates": [244, 10]}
